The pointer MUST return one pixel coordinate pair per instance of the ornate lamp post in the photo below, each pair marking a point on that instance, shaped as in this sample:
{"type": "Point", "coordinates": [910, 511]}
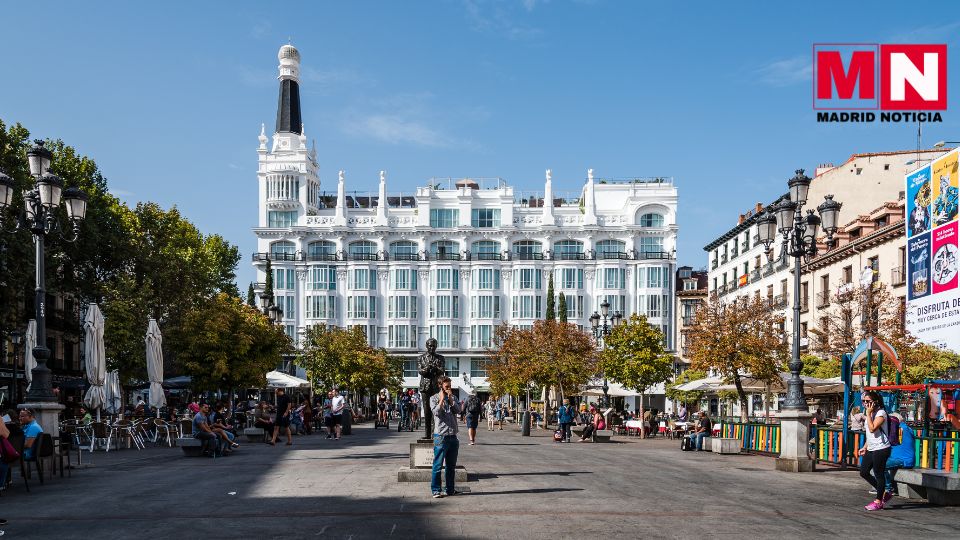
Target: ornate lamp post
{"type": "Point", "coordinates": [799, 240]}
{"type": "Point", "coordinates": [600, 331]}
{"type": "Point", "coordinates": [40, 214]}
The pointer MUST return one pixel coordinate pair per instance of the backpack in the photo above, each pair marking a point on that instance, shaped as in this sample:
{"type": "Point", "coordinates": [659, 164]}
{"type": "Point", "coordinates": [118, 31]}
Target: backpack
{"type": "Point", "coordinates": [473, 405]}
{"type": "Point", "coordinates": [557, 436]}
{"type": "Point", "coordinates": [893, 430]}
{"type": "Point", "coordinates": [686, 444]}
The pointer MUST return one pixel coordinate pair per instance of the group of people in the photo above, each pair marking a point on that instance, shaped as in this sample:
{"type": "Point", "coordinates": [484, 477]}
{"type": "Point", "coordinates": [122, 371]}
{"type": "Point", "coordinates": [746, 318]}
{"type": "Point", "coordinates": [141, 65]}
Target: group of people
{"type": "Point", "coordinates": [302, 419]}
{"type": "Point", "coordinates": [211, 426]}
{"type": "Point", "coordinates": [28, 426]}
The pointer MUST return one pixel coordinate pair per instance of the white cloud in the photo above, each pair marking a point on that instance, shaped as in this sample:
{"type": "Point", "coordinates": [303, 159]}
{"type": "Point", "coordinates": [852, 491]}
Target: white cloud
{"type": "Point", "coordinates": [786, 72]}
{"type": "Point", "coordinates": [496, 16]}
{"type": "Point", "coordinates": [411, 119]}
{"type": "Point", "coordinates": [395, 129]}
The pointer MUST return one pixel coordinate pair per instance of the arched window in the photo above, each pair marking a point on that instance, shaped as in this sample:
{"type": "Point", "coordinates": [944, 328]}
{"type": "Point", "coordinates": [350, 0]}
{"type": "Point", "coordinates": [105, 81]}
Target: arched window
{"type": "Point", "coordinates": [486, 250]}
{"type": "Point", "coordinates": [322, 250]}
{"type": "Point", "coordinates": [611, 249]}
{"type": "Point", "coordinates": [568, 249]}
{"type": "Point", "coordinates": [528, 250]}
{"type": "Point", "coordinates": [651, 219]}
{"type": "Point", "coordinates": [403, 250]}
{"type": "Point", "coordinates": [445, 250]}
{"type": "Point", "coordinates": [362, 250]}
{"type": "Point", "coordinates": [283, 247]}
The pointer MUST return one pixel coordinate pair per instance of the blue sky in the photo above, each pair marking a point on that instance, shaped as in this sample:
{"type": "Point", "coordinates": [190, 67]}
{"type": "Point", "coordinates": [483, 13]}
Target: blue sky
{"type": "Point", "coordinates": [169, 97]}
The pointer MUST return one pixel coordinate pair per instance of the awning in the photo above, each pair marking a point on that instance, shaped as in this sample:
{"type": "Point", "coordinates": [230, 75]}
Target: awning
{"type": "Point", "coordinates": [613, 390]}
{"type": "Point", "coordinates": [277, 379]}
{"type": "Point", "coordinates": [701, 385]}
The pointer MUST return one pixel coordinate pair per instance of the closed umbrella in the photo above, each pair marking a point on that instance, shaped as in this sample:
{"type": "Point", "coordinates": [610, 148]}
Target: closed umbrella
{"type": "Point", "coordinates": [112, 393]}
{"type": "Point", "coordinates": [29, 362]}
{"type": "Point", "coordinates": [154, 340]}
{"type": "Point", "coordinates": [95, 357]}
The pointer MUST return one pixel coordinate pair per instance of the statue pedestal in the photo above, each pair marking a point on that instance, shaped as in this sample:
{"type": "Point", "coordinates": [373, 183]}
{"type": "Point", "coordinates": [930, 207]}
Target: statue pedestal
{"type": "Point", "coordinates": [47, 415]}
{"type": "Point", "coordinates": [795, 442]}
{"type": "Point", "coordinates": [421, 464]}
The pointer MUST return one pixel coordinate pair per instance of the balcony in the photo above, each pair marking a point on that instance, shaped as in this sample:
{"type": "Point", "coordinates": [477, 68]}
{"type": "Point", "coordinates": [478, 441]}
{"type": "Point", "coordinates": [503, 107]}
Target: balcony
{"type": "Point", "coordinates": [732, 286]}
{"type": "Point", "coordinates": [446, 256]}
{"type": "Point", "coordinates": [322, 256]}
{"type": "Point", "coordinates": [823, 299]}
{"type": "Point", "coordinates": [687, 320]}
{"type": "Point", "coordinates": [652, 255]}
{"type": "Point", "coordinates": [722, 289]}
{"type": "Point", "coordinates": [783, 262]}
{"type": "Point", "coordinates": [780, 301]}
{"type": "Point", "coordinates": [714, 265]}
{"type": "Point", "coordinates": [745, 247]}
{"type": "Point", "coordinates": [768, 269]}
{"type": "Point", "coordinates": [405, 256]}
{"type": "Point", "coordinates": [569, 256]}
{"type": "Point", "coordinates": [528, 256]}
{"type": "Point", "coordinates": [898, 276]}
{"type": "Point", "coordinates": [734, 253]}
{"type": "Point", "coordinates": [487, 256]}
{"type": "Point", "coordinates": [755, 274]}
{"type": "Point", "coordinates": [804, 304]}
{"type": "Point", "coordinates": [607, 255]}
{"type": "Point", "coordinates": [263, 257]}
{"type": "Point", "coordinates": [723, 258]}
{"type": "Point", "coordinates": [364, 257]}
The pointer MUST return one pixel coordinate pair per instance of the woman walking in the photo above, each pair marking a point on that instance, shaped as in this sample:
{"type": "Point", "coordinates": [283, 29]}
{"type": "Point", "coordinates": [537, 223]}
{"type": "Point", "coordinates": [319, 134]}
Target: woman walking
{"type": "Point", "coordinates": [877, 450]}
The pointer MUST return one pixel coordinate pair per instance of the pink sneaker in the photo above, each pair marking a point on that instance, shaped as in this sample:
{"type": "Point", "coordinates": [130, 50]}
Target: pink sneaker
{"type": "Point", "coordinates": [875, 505]}
{"type": "Point", "coordinates": [887, 496]}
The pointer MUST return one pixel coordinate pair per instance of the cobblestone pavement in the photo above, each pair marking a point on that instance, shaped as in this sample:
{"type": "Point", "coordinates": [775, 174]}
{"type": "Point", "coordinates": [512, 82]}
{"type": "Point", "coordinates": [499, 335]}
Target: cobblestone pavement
{"type": "Point", "coordinates": [521, 487]}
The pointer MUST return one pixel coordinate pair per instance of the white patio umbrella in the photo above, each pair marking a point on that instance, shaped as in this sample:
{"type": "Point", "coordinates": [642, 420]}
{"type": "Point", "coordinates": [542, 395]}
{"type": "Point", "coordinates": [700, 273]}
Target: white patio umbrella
{"type": "Point", "coordinates": [154, 341]}
{"type": "Point", "coordinates": [112, 392]}
{"type": "Point", "coordinates": [30, 341]}
{"type": "Point", "coordinates": [278, 379]}
{"type": "Point", "coordinates": [700, 385]}
{"type": "Point", "coordinates": [95, 357]}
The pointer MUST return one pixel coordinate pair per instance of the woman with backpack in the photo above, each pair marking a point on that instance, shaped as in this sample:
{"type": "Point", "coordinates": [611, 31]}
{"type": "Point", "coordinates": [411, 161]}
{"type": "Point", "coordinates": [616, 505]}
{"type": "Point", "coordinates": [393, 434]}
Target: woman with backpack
{"type": "Point", "coordinates": [877, 449]}
{"type": "Point", "coordinates": [473, 417]}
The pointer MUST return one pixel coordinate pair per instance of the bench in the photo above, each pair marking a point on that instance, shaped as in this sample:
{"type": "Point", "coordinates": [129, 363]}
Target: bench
{"type": "Point", "coordinates": [724, 445]}
{"type": "Point", "coordinates": [255, 434]}
{"type": "Point", "coordinates": [602, 435]}
{"type": "Point", "coordinates": [191, 447]}
{"type": "Point", "coordinates": [941, 488]}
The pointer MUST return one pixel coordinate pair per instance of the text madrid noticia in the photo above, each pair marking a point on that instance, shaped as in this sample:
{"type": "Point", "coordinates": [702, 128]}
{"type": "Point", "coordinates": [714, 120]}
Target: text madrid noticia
{"type": "Point", "coordinates": [866, 82]}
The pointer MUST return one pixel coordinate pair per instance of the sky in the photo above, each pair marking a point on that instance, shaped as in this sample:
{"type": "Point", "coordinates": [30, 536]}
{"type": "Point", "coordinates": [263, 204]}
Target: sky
{"type": "Point", "coordinates": [168, 97]}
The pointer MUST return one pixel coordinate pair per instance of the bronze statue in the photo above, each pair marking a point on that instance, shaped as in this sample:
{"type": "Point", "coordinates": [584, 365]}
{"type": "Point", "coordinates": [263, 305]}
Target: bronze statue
{"type": "Point", "coordinates": [432, 366]}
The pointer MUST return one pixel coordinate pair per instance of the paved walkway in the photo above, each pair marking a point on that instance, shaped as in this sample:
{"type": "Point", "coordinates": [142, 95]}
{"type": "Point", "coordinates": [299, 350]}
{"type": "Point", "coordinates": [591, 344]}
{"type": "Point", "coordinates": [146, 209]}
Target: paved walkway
{"type": "Point", "coordinates": [525, 487]}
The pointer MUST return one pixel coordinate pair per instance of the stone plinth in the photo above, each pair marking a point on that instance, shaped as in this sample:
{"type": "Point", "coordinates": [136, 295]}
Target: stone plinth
{"type": "Point", "coordinates": [421, 454]}
{"type": "Point", "coordinates": [47, 415]}
{"type": "Point", "coordinates": [421, 465]}
{"type": "Point", "coordinates": [725, 445]}
{"type": "Point", "coordinates": [795, 442]}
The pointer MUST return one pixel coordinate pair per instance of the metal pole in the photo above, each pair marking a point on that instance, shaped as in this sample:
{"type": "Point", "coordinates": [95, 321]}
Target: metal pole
{"type": "Point", "coordinates": [40, 389]}
{"type": "Point", "coordinates": [795, 399]}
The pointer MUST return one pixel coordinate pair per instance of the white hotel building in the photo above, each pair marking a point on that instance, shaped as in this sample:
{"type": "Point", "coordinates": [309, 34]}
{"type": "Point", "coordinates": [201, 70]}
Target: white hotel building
{"type": "Point", "coordinates": [456, 258]}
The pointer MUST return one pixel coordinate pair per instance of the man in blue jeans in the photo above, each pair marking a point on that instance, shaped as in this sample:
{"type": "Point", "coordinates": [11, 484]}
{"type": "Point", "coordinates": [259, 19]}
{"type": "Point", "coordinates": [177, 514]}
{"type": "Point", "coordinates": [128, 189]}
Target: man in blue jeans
{"type": "Point", "coordinates": [902, 456]}
{"type": "Point", "coordinates": [445, 408]}
{"type": "Point", "coordinates": [565, 416]}
{"type": "Point", "coordinates": [704, 429]}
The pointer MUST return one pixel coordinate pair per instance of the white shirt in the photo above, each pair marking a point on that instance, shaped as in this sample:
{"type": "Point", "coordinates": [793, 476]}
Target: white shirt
{"type": "Point", "coordinates": [877, 440]}
{"type": "Point", "coordinates": [336, 405]}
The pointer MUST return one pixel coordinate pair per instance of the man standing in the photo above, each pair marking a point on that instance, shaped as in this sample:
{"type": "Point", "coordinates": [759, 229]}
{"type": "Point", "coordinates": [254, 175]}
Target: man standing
{"type": "Point", "coordinates": [473, 416]}
{"type": "Point", "coordinates": [445, 409]}
{"type": "Point", "coordinates": [565, 416]}
{"type": "Point", "coordinates": [283, 417]}
{"type": "Point", "coordinates": [337, 404]}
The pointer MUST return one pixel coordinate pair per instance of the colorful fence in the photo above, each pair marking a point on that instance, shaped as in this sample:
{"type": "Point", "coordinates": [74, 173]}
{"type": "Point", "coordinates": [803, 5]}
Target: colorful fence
{"type": "Point", "coordinates": [755, 437]}
{"type": "Point", "coordinates": [940, 450]}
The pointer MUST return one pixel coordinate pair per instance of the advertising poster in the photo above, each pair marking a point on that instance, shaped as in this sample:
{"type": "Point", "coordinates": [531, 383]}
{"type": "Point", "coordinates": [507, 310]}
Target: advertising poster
{"type": "Point", "coordinates": [919, 266]}
{"type": "Point", "coordinates": [918, 201]}
{"type": "Point", "coordinates": [933, 294]}
{"type": "Point", "coordinates": [945, 191]}
{"type": "Point", "coordinates": [943, 264]}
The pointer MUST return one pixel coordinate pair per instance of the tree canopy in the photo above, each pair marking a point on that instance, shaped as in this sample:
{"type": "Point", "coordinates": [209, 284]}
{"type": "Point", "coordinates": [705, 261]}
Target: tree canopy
{"type": "Point", "coordinates": [343, 358]}
{"type": "Point", "coordinates": [634, 355]}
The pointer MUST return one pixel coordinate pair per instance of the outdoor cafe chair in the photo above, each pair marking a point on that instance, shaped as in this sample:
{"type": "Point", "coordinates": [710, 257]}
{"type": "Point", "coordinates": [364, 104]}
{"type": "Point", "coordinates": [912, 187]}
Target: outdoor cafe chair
{"type": "Point", "coordinates": [17, 440]}
{"type": "Point", "coordinates": [165, 430]}
{"type": "Point", "coordinates": [63, 451]}
{"type": "Point", "coordinates": [101, 431]}
{"type": "Point", "coordinates": [663, 428]}
{"type": "Point", "coordinates": [42, 451]}
{"type": "Point", "coordinates": [128, 430]}
{"type": "Point", "coordinates": [186, 426]}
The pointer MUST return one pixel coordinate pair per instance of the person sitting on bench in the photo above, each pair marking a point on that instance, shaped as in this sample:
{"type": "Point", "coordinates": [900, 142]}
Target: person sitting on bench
{"type": "Point", "coordinates": [202, 431]}
{"type": "Point", "coordinates": [704, 429]}
{"type": "Point", "coordinates": [596, 422]}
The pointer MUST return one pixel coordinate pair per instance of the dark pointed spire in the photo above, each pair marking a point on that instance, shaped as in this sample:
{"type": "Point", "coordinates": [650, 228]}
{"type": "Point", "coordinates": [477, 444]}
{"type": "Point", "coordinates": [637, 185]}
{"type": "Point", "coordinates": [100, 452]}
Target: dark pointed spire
{"type": "Point", "coordinates": [288, 105]}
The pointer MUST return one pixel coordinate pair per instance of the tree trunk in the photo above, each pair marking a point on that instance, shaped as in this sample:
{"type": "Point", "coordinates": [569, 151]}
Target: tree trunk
{"type": "Point", "coordinates": [743, 397]}
{"type": "Point", "coordinates": [643, 431]}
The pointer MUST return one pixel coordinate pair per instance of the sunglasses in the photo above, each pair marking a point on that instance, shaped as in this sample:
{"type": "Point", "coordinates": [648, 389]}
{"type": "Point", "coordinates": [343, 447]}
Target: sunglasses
{"type": "Point", "coordinates": [867, 401]}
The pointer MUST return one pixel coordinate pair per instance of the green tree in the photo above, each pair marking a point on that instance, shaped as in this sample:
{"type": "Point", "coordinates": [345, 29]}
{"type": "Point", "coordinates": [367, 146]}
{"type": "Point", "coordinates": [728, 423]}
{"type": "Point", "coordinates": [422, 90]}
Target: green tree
{"type": "Point", "coordinates": [227, 344]}
{"type": "Point", "coordinates": [551, 308]}
{"type": "Point", "coordinates": [562, 308]}
{"type": "Point", "coordinates": [634, 355]}
{"type": "Point", "coordinates": [268, 283]}
{"type": "Point", "coordinates": [685, 396]}
{"type": "Point", "coordinates": [251, 296]}
{"type": "Point", "coordinates": [343, 358]}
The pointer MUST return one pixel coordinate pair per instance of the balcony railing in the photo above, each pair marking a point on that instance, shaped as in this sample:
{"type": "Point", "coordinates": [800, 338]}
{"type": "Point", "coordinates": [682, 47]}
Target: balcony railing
{"type": "Point", "coordinates": [488, 256]}
{"type": "Point", "coordinates": [714, 265]}
{"type": "Point", "coordinates": [405, 256]}
{"type": "Point", "coordinates": [768, 269]}
{"type": "Point", "coordinates": [446, 256]}
{"type": "Point", "coordinates": [755, 274]}
{"type": "Point", "coordinates": [780, 300]}
{"type": "Point", "coordinates": [652, 255]}
{"type": "Point", "coordinates": [364, 257]}
{"type": "Point", "coordinates": [263, 257]}
{"type": "Point", "coordinates": [570, 256]}
{"type": "Point", "coordinates": [804, 304]}
{"type": "Point", "coordinates": [732, 285]}
{"type": "Point", "coordinates": [823, 299]}
{"type": "Point", "coordinates": [722, 289]}
{"type": "Point", "coordinates": [527, 256]}
{"type": "Point", "coordinates": [687, 320]}
{"type": "Point", "coordinates": [723, 258]}
{"type": "Point", "coordinates": [898, 276]}
{"type": "Point", "coordinates": [320, 256]}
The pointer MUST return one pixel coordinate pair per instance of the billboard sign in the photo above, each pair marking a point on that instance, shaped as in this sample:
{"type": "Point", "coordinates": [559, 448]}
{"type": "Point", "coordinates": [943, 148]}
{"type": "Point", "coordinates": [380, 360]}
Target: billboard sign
{"type": "Point", "coordinates": [933, 295]}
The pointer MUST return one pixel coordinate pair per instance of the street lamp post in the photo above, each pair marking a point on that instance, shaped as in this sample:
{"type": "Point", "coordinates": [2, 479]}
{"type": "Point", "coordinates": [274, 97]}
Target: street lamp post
{"type": "Point", "coordinates": [600, 332]}
{"type": "Point", "coordinates": [799, 240]}
{"type": "Point", "coordinates": [40, 215]}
